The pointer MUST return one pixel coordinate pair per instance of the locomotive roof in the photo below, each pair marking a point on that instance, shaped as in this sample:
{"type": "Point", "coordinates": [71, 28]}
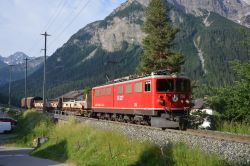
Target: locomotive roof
{"type": "Point", "coordinates": [141, 77]}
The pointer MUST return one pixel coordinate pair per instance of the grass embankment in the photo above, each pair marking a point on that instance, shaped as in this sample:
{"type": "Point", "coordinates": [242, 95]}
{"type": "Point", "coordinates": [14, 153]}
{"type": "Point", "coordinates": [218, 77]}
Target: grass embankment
{"type": "Point", "coordinates": [220, 124]}
{"type": "Point", "coordinates": [30, 125]}
{"type": "Point", "coordinates": [84, 145]}
{"type": "Point", "coordinates": [81, 144]}
{"type": "Point", "coordinates": [233, 127]}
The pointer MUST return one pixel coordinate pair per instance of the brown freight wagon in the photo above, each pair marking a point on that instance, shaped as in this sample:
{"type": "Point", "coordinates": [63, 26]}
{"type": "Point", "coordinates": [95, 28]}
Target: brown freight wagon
{"type": "Point", "coordinates": [29, 102]}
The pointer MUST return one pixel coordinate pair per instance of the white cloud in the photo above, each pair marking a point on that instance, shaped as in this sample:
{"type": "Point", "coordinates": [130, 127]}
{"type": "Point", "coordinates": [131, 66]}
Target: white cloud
{"type": "Point", "coordinates": [22, 22]}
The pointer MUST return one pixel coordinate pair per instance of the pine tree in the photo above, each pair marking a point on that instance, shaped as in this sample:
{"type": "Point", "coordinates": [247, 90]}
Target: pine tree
{"type": "Point", "coordinates": [157, 53]}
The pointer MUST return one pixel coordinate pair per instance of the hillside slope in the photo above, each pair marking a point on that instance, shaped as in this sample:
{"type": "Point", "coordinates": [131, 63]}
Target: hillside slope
{"type": "Point", "coordinates": [112, 47]}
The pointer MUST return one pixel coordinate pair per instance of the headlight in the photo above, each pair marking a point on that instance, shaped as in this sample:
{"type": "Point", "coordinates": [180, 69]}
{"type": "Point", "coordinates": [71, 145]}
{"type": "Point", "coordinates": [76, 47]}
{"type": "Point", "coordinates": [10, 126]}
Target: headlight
{"type": "Point", "coordinates": [162, 102]}
{"type": "Point", "coordinates": [187, 101]}
{"type": "Point", "coordinates": [175, 98]}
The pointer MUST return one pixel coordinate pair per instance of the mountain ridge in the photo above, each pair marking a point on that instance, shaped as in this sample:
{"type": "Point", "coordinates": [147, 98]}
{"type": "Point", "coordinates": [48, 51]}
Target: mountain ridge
{"type": "Point", "coordinates": [18, 62]}
{"type": "Point", "coordinates": [234, 10]}
{"type": "Point", "coordinates": [111, 47]}
{"type": "Point", "coordinates": [14, 59]}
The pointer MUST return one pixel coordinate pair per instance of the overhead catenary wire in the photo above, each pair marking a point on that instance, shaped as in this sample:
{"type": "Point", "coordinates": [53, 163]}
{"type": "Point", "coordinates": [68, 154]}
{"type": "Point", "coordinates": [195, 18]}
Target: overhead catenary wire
{"type": "Point", "coordinates": [70, 23]}
{"type": "Point", "coordinates": [53, 18]}
{"type": "Point", "coordinates": [58, 13]}
{"type": "Point", "coordinates": [59, 8]}
{"type": "Point", "coordinates": [68, 17]}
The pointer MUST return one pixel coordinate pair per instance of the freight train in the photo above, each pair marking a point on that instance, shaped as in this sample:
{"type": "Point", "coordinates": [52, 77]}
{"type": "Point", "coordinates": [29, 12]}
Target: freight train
{"type": "Point", "coordinates": [158, 99]}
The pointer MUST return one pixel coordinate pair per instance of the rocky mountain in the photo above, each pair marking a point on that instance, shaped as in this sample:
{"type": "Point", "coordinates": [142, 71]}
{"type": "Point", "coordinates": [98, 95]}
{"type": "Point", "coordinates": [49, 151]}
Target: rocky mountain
{"type": "Point", "coordinates": [235, 10]}
{"type": "Point", "coordinates": [14, 59]}
{"type": "Point", "coordinates": [2, 64]}
{"type": "Point", "coordinates": [17, 59]}
{"type": "Point", "coordinates": [117, 28]}
{"type": "Point", "coordinates": [110, 48]}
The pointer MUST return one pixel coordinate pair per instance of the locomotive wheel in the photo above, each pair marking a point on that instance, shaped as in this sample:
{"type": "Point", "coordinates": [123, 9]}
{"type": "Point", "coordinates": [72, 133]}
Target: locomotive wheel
{"type": "Point", "coordinates": [89, 115]}
{"type": "Point", "coordinates": [183, 124]}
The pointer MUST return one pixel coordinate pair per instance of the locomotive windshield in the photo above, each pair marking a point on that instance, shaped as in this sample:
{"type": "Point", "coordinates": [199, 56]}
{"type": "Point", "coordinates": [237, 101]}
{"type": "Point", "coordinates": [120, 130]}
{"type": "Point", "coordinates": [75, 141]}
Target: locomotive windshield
{"type": "Point", "coordinates": [163, 85]}
{"type": "Point", "coordinates": [182, 85]}
{"type": "Point", "coordinates": [172, 85]}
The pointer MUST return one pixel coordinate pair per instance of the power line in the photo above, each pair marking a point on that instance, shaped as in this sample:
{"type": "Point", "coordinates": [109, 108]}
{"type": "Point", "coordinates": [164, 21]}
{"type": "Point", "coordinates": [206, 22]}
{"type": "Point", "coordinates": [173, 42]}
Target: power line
{"type": "Point", "coordinates": [61, 32]}
{"type": "Point", "coordinates": [51, 20]}
{"type": "Point", "coordinates": [67, 18]}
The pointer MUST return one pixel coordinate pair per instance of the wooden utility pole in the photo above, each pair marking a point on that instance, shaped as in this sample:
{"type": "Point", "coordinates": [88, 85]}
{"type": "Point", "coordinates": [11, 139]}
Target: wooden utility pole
{"type": "Point", "coordinates": [44, 72]}
{"type": "Point", "coordinates": [10, 80]}
{"type": "Point", "coordinates": [25, 84]}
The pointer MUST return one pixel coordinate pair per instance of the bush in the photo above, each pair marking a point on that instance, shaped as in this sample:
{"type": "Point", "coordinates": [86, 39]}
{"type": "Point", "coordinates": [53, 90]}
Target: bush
{"type": "Point", "coordinates": [31, 125]}
{"type": "Point", "coordinates": [233, 127]}
{"type": "Point", "coordinates": [233, 102]}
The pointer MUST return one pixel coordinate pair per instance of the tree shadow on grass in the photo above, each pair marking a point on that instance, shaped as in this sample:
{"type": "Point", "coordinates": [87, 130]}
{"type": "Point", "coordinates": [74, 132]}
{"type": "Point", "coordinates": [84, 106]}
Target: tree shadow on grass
{"type": "Point", "coordinates": [156, 156]}
{"type": "Point", "coordinates": [56, 152]}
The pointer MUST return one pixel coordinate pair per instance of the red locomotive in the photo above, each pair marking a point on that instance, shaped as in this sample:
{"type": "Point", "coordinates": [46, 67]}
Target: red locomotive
{"type": "Point", "coordinates": [157, 99]}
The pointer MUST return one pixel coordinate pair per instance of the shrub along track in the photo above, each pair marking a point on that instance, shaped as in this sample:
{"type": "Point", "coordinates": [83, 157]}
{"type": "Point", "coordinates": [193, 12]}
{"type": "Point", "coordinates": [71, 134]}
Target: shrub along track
{"type": "Point", "coordinates": [232, 147]}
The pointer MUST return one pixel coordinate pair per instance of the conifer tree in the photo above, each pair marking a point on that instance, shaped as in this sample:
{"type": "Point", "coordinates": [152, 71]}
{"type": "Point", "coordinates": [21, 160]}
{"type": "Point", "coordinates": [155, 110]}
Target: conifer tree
{"type": "Point", "coordinates": [157, 53]}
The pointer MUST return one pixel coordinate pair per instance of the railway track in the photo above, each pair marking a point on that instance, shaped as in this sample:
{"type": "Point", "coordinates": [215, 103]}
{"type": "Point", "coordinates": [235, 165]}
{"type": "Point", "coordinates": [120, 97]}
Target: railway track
{"type": "Point", "coordinates": [200, 133]}
{"type": "Point", "coordinates": [221, 135]}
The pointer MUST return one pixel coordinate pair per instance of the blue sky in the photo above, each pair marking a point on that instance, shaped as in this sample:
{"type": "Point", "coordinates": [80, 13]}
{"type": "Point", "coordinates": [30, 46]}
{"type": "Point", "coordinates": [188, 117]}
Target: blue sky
{"type": "Point", "coordinates": [22, 22]}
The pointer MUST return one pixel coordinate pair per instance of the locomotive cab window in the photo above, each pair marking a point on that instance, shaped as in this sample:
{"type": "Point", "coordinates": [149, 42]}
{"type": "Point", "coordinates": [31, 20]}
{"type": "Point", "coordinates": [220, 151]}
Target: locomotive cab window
{"type": "Point", "coordinates": [182, 85]}
{"type": "Point", "coordinates": [147, 86]}
{"type": "Point", "coordinates": [163, 85]}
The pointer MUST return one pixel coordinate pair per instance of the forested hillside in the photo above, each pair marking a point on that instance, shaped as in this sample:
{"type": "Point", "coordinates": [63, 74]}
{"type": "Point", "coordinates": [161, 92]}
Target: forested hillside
{"type": "Point", "coordinates": [103, 49]}
{"type": "Point", "coordinates": [219, 43]}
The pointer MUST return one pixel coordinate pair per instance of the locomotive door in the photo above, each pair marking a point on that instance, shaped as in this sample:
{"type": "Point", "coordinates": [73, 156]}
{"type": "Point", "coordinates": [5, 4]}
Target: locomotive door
{"type": "Point", "coordinates": [147, 100]}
